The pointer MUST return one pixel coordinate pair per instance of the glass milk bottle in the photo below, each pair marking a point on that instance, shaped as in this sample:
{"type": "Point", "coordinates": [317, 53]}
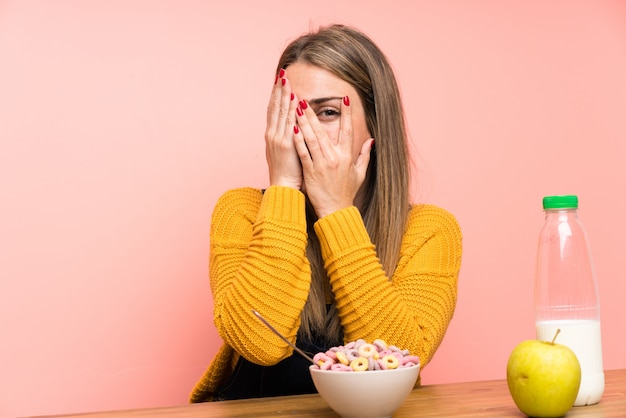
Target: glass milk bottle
{"type": "Point", "coordinates": [566, 293]}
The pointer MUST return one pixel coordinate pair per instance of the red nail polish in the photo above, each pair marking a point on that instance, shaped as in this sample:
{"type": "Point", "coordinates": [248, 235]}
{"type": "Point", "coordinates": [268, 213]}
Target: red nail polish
{"type": "Point", "coordinates": [292, 96]}
{"type": "Point", "coordinates": [281, 73]}
{"type": "Point", "coordinates": [299, 111]}
{"type": "Point", "coordinates": [303, 104]}
{"type": "Point", "coordinates": [283, 81]}
{"type": "Point", "coordinates": [296, 129]}
{"type": "Point", "coordinates": [346, 100]}
{"type": "Point", "coordinates": [276, 80]}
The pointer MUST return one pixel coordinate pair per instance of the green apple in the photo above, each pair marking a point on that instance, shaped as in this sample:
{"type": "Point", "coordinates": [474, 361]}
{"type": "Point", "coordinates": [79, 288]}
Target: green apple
{"type": "Point", "coordinates": [543, 378]}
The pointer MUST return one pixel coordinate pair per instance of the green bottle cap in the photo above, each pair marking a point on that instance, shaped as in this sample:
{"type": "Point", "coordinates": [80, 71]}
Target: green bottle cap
{"type": "Point", "coordinates": [560, 202]}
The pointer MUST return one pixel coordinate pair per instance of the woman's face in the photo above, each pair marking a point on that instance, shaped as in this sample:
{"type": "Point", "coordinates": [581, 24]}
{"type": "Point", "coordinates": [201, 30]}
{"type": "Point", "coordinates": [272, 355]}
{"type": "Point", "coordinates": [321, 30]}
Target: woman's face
{"type": "Point", "coordinates": [324, 91]}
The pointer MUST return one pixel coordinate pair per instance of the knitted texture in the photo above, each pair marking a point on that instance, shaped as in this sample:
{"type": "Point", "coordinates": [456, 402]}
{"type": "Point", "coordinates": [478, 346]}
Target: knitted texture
{"type": "Point", "coordinates": [258, 261]}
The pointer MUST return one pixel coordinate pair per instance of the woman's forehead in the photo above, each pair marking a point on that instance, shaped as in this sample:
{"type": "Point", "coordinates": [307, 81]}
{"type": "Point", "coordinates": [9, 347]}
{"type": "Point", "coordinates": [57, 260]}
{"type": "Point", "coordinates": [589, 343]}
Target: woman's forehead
{"type": "Point", "coordinates": [311, 82]}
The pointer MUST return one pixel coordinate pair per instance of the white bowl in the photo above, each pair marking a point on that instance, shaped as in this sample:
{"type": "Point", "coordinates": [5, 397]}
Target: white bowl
{"type": "Point", "coordinates": [368, 394]}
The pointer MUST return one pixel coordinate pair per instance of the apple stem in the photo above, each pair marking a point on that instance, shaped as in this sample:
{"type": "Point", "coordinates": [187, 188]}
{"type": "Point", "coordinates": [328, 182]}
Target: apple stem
{"type": "Point", "coordinates": [555, 334]}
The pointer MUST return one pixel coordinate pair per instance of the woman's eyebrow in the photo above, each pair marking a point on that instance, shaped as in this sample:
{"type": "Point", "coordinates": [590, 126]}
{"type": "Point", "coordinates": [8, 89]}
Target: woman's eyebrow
{"type": "Point", "coordinates": [321, 100]}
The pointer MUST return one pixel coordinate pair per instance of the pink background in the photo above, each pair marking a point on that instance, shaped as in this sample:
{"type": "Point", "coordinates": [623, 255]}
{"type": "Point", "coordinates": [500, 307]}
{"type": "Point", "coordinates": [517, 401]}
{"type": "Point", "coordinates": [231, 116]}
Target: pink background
{"type": "Point", "coordinates": [121, 122]}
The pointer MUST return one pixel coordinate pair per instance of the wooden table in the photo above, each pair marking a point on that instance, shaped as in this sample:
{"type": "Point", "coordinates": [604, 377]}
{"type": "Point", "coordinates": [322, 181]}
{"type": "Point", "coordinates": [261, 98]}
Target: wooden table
{"type": "Point", "coordinates": [470, 399]}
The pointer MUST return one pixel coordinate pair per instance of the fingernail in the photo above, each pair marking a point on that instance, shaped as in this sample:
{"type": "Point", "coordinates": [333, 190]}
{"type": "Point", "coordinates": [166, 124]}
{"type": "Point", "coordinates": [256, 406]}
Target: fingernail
{"type": "Point", "coordinates": [372, 146]}
{"type": "Point", "coordinates": [299, 111]}
{"type": "Point", "coordinates": [346, 100]}
{"type": "Point", "coordinates": [292, 96]}
{"type": "Point", "coordinates": [303, 104]}
{"type": "Point", "coordinates": [281, 73]}
{"type": "Point", "coordinates": [276, 80]}
{"type": "Point", "coordinates": [283, 81]}
{"type": "Point", "coordinates": [296, 129]}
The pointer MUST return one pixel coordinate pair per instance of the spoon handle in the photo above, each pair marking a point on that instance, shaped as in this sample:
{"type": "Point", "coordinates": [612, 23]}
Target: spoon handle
{"type": "Point", "coordinates": [267, 324]}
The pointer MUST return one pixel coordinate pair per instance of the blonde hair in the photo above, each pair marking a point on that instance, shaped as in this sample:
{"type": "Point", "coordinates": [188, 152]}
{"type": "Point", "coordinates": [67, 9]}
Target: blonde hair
{"type": "Point", "coordinates": [353, 57]}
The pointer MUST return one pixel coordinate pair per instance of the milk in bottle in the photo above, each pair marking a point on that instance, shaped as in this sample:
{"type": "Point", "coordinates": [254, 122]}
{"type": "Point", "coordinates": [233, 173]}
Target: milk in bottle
{"type": "Point", "coordinates": [566, 293]}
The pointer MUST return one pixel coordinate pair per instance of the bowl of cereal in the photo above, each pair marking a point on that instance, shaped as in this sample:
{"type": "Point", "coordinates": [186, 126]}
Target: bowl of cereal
{"type": "Point", "coordinates": [365, 380]}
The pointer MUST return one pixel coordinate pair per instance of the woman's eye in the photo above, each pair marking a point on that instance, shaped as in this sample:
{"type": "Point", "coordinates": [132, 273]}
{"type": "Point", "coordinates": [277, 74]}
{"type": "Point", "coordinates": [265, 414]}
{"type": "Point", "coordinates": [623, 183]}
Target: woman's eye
{"type": "Point", "coordinates": [327, 114]}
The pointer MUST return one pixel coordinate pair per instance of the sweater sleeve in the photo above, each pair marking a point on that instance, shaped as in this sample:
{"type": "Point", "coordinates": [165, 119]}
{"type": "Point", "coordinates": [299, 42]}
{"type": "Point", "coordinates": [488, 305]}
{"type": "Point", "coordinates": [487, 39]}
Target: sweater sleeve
{"type": "Point", "coordinates": [258, 261]}
{"type": "Point", "coordinates": [414, 308]}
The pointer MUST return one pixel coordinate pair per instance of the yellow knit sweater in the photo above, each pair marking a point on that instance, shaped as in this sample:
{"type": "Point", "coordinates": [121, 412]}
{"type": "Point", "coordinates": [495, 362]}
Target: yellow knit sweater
{"type": "Point", "coordinates": [258, 261]}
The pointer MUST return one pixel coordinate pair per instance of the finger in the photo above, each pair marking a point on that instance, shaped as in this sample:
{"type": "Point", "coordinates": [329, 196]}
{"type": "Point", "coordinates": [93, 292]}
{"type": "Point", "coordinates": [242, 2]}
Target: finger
{"type": "Point", "coordinates": [285, 102]}
{"type": "Point", "coordinates": [310, 128]}
{"type": "Point", "coordinates": [301, 147]}
{"type": "Point", "coordinates": [290, 121]}
{"type": "Point", "coordinates": [275, 102]}
{"type": "Point", "coordinates": [346, 131]}
{"type": "Point", "coordinates": [363, 159]}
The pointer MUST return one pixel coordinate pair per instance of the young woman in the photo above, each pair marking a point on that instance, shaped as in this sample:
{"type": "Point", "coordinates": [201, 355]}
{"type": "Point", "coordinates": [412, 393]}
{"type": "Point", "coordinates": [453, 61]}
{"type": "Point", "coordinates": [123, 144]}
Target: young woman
{"type": "Point", "coordinates": [332, 250]}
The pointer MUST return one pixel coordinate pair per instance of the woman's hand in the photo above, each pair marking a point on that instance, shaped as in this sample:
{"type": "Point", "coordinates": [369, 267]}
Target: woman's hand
{"type": "Point", "coordinates": [333, 172]}
{"type": "Point", "coordinates": [282, 159]}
